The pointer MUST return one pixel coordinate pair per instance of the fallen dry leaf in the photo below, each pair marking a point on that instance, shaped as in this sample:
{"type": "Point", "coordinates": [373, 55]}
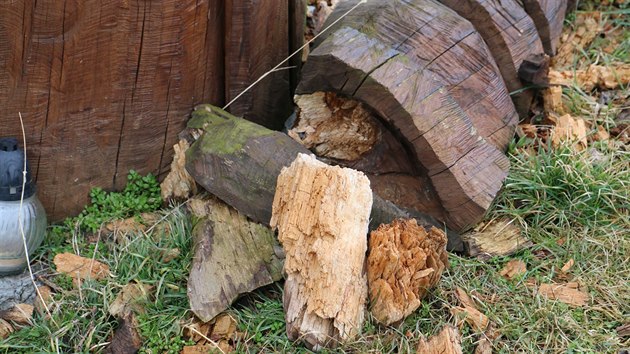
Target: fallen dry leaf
{"type": "Point", "coordinates": [448, 341]}
{"type": "Point", "coordinates": [569, 293]}
{"type": "Point", "coordinates": [469, 312]}
{"type": "Point", "coordinates": [499, 237]}
{"type": "Point", "coordinates": [130, 300]}
{"type": "Point", "coordinates": [624, 330]}
{"type": "Point", "coordinates": [513, 268]}
{"type": "Point", "coordinates": [19, 313]}
{"type": "Point", "coordinates": [126, 337]}
{"type": "Point", "coordinates": [528, 130]}
{"type": "Point", "coordinates": [5, 329]}
{"type": "Point", "coordinates": [601, 134]}
{"type": "Point", "coordinates": [80, 267]}
{"type": "Point", "coordinates": [569, 129]}
{"type": "Point", "coordinates": [567, 265]}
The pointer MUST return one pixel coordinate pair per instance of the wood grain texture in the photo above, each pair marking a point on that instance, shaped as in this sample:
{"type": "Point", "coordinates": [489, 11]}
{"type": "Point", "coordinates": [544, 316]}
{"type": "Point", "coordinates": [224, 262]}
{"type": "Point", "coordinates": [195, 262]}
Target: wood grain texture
{"type": "Point", "coordinates": [511, 37]}
{"type": "Point", "coordinates": [257, 39]}
{"type": "Point", "coordinates": [322, 214]}
{"type": "Point", "coordinates": [104, 87]}
{"type": "Point", "coordinates": [429, 76]}
{"type": "Point", "coordinates": [548, 15]}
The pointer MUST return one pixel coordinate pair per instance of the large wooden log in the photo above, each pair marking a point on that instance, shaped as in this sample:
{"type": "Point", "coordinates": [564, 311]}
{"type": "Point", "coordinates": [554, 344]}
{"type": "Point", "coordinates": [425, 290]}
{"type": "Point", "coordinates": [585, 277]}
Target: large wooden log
{"type": "Point", "coordinates": [431, 80]}
{"type": "Point", "coordinates": [106, 86]}
{"type": "Point", "coordinates": [321, 213]}
{"type": "Point", "coordinates": [511, 37]}
{"type": "Point", "coordinates": [239, 162]}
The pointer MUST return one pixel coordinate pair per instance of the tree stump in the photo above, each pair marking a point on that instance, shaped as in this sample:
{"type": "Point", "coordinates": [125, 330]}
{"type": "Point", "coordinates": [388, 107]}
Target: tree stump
{"type": "Point", "coordinates": [548, 15]}
{"type": "Point", "coordinates": [321, 213]}
{"type": "Point", "coordinates": [429, 78]}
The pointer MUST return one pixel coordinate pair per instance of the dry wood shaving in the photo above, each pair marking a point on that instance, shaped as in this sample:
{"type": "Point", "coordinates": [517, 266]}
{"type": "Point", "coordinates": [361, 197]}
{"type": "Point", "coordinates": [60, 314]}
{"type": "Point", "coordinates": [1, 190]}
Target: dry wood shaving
{"type": "Point", "coordinates": [513, 268]}
{"type": "Point", "coordinates": [178, 184]}
{"type": "Point", "coordinates": [5, 329]}
{"type": "Point", "coordinates": [552, 100]}
{"type": "Point", "coordinates": [569, 293]}
{"type": "Point", "coordinates": [448, 341]}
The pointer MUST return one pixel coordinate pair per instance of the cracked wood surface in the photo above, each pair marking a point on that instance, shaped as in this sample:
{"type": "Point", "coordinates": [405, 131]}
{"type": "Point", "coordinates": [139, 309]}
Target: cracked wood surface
{"type": "Point", "coordinates": [105, 87]}
{"type": "Point", "coordinates": [548, 15]}
{"type": "Point", "coordinates": [430, 77]}
{"type": "Point", "coordinates": [322, 214]}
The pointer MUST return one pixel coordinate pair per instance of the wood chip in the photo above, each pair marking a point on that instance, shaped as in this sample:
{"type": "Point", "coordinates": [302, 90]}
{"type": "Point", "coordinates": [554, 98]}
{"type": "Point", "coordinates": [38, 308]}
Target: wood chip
{"type": "Point", "coordinates": [130, 300]}
{"type": "Point", "coordinates": [178, 184]}
{"type": "Point", "coordinates": [552, 100]}
{"type": "Point", "coordinates": [499, 237]}
{"type": "Point", "coordinates": [567, 265]}
{"type": "Point", "coordinates": [513, 268]}
{"type": "Point", "coordinates": [19, 314]}
{"type": "Point", "coordinates": [170, 254]}
{"type": "Point", "coordinates": [569, 129]}
{"type": "Point", "coordinates": [607, 77]}
{"type": "Point", "coordinates": [224, 327]}
{"type": "Point", "coordinates": [126, 337]}
{"type": "Point", "coordinates": [469, 313]}
{"type": "Point", "coordinates": [569, 293]}
{"type": "Point", "coordinates": [586, 28]}
{"type": "Point", "coordinates": [5, 329]}
{"type": "Point", "coordinates": [448, 341]}
{"type": "Point", "coordinates": [79, 267]}
{"type": "Point", "coordinates": [221, 347]}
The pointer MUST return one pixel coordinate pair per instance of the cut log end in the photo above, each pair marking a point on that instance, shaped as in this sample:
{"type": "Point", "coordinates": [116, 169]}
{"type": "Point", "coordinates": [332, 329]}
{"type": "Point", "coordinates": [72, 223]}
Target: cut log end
{"type": "Point", "coordinates": [321, 213]}
{"type": "Point", "coordinates": [405, 260]}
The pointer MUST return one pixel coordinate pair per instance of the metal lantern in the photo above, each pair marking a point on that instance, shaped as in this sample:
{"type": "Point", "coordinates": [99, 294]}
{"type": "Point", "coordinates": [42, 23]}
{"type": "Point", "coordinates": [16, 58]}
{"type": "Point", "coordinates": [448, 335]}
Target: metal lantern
{"type": "Point", "coordinates": [32, 215]}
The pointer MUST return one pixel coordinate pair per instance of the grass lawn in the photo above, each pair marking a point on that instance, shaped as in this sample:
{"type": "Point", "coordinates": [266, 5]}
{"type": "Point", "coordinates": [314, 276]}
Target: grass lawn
{"type": "Point", "coordinates": [572, 203]}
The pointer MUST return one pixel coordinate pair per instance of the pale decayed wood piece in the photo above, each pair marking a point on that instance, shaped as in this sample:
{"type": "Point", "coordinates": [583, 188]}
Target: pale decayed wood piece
{"type": "Point", "coordinates": [431, 79]}
{"type": "Point", "coordinates": [548, 15]}
{"type": "Point", "coordinates": [233, 256]}
{"type": "Point", "coordinates": [445, 342]}
{"type": "Point", "coordinates": [404, 261]}
{"type": "Point", "coordinates": [511, 37]}
{"type": "Point", "coordinates": [321, 213]}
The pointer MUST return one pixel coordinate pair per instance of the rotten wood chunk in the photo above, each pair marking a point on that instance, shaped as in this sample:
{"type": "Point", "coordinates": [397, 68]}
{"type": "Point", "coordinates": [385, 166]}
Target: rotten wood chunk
{"type": "Point", "coordinates": [511, 37]}
{"type": "Point", "coordinates": [321, 213]}
{"type": "Point", "coordinates": [233, 256]}
{"type": "Point", "coordinates": [448, 341]}
{"type": "Point", "coordinates": [239, 162]}
{"type": "Point", "coordinates": [404, 261]}
{"type": "Point", "coordinates": [429, 77]}
{"type": "Point", "coordinates": [548, 15]}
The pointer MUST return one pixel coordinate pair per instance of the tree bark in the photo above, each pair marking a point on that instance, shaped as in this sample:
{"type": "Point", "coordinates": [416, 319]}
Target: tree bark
{"type": "Point", "coordinates": [548, 15]}
{"type": "Point", "coordinates": [321, 213]}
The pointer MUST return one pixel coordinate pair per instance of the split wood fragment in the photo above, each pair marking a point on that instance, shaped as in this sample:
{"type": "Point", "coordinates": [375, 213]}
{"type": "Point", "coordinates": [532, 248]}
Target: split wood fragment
{"type": "Point", "coordinates": [448, 341]}
{"type": "Point", "coordinates": [321, 213]}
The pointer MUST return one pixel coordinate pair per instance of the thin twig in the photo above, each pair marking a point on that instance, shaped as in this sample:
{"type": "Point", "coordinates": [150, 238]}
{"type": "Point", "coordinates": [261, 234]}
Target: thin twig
{"type": "Point", "coordinates": [21, 223]}
{"type": "Point", "coordinates": [277, 67]}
